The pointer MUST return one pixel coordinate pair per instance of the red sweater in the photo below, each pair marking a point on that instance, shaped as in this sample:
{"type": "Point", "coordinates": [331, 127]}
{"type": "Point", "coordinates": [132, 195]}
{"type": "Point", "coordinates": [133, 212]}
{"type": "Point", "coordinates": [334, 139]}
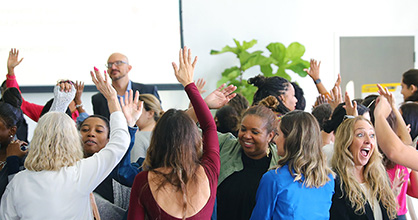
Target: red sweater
{"type": "Point", "coordinates": [32, 110]}
{"type": "Point", "coordinates": [143, 203]}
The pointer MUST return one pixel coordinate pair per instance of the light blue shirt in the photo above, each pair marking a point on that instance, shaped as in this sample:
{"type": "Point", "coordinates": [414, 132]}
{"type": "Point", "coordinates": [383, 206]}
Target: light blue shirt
{"type": "Point", "coordinates": [280, 197]}
{"type": "Point", "coordinates": [129, 87]}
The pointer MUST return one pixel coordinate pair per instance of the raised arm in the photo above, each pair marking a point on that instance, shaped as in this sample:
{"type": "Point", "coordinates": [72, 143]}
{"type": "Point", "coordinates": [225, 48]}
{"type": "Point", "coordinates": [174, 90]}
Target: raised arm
{"type": "Point", "coordinates": [388, 141]}
{"type": "Point", "coordinates": [97, 167]}
{"type": "Point", "coordinates": [401, 128]}
{"type": "Point", "coordinates": [217, 99]}
{"type": "Point", "coordinates": [13, 61]}
{"type": "Point", "coordinates": [184, 74]}
{"type": "Point", "coordinates": [313, 72]}
{"type": "Point", "coordinates": [32, 110]}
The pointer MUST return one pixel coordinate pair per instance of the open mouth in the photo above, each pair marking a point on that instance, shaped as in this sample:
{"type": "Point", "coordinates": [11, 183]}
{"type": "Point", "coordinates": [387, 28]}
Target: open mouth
{"type": "Point", "coordinates": [365, 152]}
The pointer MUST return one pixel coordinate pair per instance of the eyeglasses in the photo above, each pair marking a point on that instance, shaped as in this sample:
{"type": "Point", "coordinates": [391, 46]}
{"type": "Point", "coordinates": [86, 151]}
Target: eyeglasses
{"type": "Point", "coordinates": [117, 63]}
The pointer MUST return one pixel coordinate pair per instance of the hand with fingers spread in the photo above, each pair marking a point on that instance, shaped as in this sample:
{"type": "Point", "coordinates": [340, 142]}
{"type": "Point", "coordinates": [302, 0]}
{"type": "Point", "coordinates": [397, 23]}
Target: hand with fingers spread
{"type": "Point", "coordinates": [131, 107]}
{"type": "Point", "coordinates": [15, 149]}
{"type": "Point", "coordinates": [184, 73]}
{"type": "Point", "coordinates": [220, 96]}
{"type": "Point", "coordinates": [313, 71]}
{"type": "Point", "coordinates": [13, 61]}
{"type": "Point", "coordinates": [350, 107]}
{"type": "Point", "coordinates": [200, 83]}
{"type": "Point", "coordinates": [105, 87]}
{"type": "Point", "coordinates": [388, 95]}
{"type": "Point", "coordinates": [397, 182]}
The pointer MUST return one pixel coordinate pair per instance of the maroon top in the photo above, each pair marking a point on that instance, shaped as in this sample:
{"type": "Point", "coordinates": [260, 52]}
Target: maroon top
{"type": "Point", "coordinates": [143, 203]}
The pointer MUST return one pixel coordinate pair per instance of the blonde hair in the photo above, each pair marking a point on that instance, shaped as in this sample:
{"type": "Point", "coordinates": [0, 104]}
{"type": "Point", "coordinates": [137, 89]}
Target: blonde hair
{"type": "Point", "coordinates": [302, 148]}
{"type": "Point", "coordinates": [56, 143]}
{"type": "Point", "coordinates": [151, 103]}
{"type": "Point", "coordinates": [374, 172]}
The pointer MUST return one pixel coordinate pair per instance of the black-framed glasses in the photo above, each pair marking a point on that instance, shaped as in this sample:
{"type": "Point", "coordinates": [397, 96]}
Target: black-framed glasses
{"type": "Point", "coordinates": [117, 63]}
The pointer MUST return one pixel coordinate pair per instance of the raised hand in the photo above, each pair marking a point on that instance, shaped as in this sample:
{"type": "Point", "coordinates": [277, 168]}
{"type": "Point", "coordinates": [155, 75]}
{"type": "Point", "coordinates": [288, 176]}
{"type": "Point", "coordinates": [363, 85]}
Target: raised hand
{"type": "Point", "coordinates": [388, 95]}
{"type": "Point", "coordinates": [131, 107]}
{"type": "Point", "coordinates": [184, 73]}
{"type": "Point", "coordinates": [313, 71]}
{"type": "Point", "coordinates": [104, 87]}
{"type": "Point", "coordinates": [336, 97]}
{"type": "Point", "coordinates": [398, 182]}
{"type": "Point", "coordinates": [200, 83]}
{"type": "Point", "coordinates": [220, 96]}
{"type": "Point", "coordinates": [79, 88]}
{"type": "Point", "coordinates": [65, 85]}
{"type": "Point", "coordinates": [13, 61]}
{"type": "Point", "coordinates": [14, 149]}
{"type": "Point", "coordinates": [350, 107]}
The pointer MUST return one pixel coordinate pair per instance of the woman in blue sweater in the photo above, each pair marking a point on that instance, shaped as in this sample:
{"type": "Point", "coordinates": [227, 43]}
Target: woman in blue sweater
{"type": "Point", "coordinates": [301, 187]}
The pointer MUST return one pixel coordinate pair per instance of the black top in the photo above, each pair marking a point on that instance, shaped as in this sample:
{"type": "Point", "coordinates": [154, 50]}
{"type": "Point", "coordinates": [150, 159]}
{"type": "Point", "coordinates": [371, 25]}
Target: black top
{"type": "Point", "coordinates": [341, 207]}
{"type": "Point", "coordinates": [236, 194]}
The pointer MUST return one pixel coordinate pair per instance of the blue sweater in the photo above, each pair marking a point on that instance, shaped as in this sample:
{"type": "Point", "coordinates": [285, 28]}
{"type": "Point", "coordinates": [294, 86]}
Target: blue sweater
{"type": "Point", "coordinates": [279, 197]}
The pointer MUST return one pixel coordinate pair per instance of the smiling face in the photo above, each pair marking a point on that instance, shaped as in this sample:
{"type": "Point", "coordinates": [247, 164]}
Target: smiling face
{"type": "Point", "coordinates": [364, 143]}
{"type": "Point", "coordinates": [94, 134]}
{"type": "Point", "coordinates": [254, 137]}
{"type": "Point", "coordinates": [118, 72]}
{"type": "Point", "coordinates": [407, 91]}
{"type": "Point", "coordinates": [289, 99]}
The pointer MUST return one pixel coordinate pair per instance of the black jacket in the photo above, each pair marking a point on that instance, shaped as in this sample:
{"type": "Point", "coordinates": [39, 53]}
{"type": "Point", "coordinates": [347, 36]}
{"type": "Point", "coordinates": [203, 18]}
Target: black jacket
{"type": "Point", "coordinates": [341, 207]}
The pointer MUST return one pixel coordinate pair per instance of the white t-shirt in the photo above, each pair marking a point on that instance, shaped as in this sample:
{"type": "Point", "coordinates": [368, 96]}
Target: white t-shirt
{"type": "Point", "coordinates": [64, 194]}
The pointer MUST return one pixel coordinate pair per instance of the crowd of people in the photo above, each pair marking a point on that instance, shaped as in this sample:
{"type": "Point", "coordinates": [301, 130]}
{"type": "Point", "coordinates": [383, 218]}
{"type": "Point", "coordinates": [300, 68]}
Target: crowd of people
{"type": "Point", "coordinates": [271, 159]}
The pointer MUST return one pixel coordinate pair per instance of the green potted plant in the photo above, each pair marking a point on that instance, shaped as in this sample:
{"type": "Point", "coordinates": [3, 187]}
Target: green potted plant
{"type": "Point", "coordinates": [283, 58]}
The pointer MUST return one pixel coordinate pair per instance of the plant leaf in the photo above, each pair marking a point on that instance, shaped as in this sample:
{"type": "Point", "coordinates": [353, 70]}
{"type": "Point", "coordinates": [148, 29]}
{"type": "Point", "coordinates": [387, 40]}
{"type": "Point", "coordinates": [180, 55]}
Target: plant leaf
{"type": "Point", "coordinates": [278, 52]}
{"type": "Point", "coordinates": [226, 72]}
{"type": "Point", "coordinates": [266, 70]}
{"type": "Point", "coordinates": [295, 51]}
{"type": "Point", "coordinates": [298, 68]}
{"type": "Point", "coordinates": [247, 45]}
{"type": "Point", "coordinates": [282, 73]}
{"type": "Point", "coordinates": [256, 59]}
{"type": "Point", "coordinates": [222, 81]}
{"type": "Point", "coordinates": [224, 50]}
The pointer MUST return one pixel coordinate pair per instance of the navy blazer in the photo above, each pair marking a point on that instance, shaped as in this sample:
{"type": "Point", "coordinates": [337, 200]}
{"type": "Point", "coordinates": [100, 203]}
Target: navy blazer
{"type": "Point", "coordinates": [100, 104]}
{"type": "Point", "coordinates": [341, 207]}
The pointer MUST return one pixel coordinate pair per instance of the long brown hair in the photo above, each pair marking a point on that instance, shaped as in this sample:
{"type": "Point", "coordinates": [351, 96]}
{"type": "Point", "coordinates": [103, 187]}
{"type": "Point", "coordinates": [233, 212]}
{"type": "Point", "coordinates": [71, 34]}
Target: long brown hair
{"type": "Point", "coordinates": [176, 143]}
{"type": "Point", "coordinates": [302, 147]}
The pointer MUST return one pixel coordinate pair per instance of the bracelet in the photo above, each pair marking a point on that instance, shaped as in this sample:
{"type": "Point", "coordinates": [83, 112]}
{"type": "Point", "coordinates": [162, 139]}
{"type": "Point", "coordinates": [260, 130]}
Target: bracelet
{"type": "Point", "coordinates": [317, 81]}
{"type": "Point", "coordinates": [78, 106]}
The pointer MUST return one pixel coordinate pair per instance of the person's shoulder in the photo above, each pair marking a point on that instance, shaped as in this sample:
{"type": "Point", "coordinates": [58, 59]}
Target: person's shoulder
{"type": "Point", "coordinates": [97, 96]}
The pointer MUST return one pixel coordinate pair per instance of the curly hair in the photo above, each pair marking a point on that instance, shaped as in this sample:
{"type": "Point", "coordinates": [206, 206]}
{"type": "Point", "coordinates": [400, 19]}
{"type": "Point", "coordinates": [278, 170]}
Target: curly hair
{"type": "Point", "coordinates": [302, 149]}
{"type": "Point", "coordinates": [275, 86]}
{"type": "Point", "coordinates": [56, 143]}
{"type": "Point", "coordinates": [374, 171]}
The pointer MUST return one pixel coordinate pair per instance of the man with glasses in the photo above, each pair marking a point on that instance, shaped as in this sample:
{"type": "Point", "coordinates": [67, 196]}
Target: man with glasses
{"type": "Point", "coordinates": [118, 68]}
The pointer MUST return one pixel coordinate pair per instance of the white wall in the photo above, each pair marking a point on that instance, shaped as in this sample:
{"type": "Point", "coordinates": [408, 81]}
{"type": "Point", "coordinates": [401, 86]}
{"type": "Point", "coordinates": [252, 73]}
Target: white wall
{"type": "Point", "coordinates": [315, 24]}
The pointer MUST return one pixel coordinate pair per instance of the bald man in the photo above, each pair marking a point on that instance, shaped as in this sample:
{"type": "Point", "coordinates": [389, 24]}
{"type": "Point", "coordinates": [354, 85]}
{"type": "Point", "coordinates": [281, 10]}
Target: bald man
{"type": "Point", "coordinates": [118, 68]}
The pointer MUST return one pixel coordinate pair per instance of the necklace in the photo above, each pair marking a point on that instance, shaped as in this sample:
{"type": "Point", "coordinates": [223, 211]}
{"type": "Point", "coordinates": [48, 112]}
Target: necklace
{"type": "Point", "coordinates": [2, 163]}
